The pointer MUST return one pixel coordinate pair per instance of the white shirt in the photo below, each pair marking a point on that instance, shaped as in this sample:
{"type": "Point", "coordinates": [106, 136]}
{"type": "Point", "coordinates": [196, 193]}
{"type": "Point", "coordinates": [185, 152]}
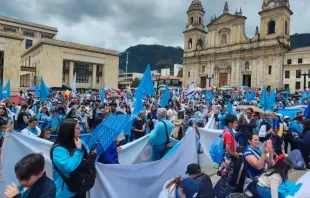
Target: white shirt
{"type": "Point", "coordinates": [25, 131]}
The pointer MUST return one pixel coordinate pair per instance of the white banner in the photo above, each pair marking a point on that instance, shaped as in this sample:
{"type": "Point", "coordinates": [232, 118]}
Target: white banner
{"type": "Point", "coordinates": [118, 181]}
{"type": "Point", "coordinates": [304, 191]}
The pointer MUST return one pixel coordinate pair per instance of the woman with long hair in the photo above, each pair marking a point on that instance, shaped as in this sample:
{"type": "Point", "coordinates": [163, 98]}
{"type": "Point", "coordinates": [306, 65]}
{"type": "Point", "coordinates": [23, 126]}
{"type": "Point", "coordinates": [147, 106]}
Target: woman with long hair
{"type": "Point", "coordinates": [178, 130]}
{"type": "Point", "coordinates": [43, 117]}
{"type": "Point", "coordinates": [67, 155]}
{"type": "Point", "coordinates": [23, 117]}
{"type": "Point", "coordinates": [270, 181]}
{"type": "Point", "coordinates": [6, 116]}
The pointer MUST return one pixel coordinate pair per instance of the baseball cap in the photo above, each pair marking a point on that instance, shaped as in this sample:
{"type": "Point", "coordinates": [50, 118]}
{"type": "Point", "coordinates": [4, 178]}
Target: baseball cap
{"type": "Point", "coordinates": [190, 187]}
{"type": "Point", "coordinates": [192, 169]}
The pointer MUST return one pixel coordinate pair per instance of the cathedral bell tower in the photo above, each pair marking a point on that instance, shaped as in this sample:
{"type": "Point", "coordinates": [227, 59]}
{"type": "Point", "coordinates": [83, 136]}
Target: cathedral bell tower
{"type": "Point", "coordinates": [195, 34]}
{"type": "Point", "coordinates": [276, 20]}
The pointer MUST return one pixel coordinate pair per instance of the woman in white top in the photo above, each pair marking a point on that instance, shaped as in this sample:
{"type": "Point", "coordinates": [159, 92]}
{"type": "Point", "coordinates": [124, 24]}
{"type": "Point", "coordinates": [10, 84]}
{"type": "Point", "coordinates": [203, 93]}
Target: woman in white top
{"type": "Point", "coordinates": [32, 128]}
{"type": "Point", "coordinates": [270, 181]}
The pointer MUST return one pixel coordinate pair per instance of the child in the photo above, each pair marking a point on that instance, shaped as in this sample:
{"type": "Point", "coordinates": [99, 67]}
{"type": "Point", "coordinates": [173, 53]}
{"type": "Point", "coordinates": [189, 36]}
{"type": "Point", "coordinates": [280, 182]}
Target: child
{"type": "Point", "coordinates": [32, 178]}
{"type": "Point", "coordinates": [270, 181]}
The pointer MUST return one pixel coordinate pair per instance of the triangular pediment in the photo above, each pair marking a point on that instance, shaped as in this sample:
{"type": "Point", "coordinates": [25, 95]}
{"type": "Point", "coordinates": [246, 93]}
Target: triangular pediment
{"type": "Point", "coordinates": [224, 18]}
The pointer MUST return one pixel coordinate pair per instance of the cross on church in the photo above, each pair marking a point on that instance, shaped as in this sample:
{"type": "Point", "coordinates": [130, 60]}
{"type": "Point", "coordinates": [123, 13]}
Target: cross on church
{"type": "Point", "coordinates": [304, 75]}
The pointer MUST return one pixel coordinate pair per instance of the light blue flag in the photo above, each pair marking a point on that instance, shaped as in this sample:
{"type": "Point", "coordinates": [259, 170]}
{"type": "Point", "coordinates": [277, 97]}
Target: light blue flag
{"type": "Point", "coordinates": [248, 96]}
{"type": "Point", "coordinates": [209, 97]}
{"type": "Point", "coordinates": [229, 107]}
{"type": "Point", "coordinates": [102, 94]}
{"type": "Point", "coordinates": [1, 93]}
{"type": "Point", "coordinates": [7, 89]}
{"type": "Point", "coordinates": [303, 96]}
{"type": "Point", "coordinates": [271, 100]}
{"type": "Point", "coordinates": [165, 98]}
{"type": "Point", "coordinates": [138, 105]}
{"type": "Point", "coordinates": [264, 99]}
{"type": "Point", "coordinates": [288, 94]}
{"type": "Point", "coordinates": [105, 133]}
{"type": "Point", "coordinates": [44, 91]}
{"type": "Point", "coordinates": [253, 94]}
{"type": "Point", "coordinates": [146, 84]}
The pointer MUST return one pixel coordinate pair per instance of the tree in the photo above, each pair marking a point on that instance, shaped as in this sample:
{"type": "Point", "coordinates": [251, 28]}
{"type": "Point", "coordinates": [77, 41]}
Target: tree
{"type": "Point", "coordinates": [180, 73]}
{"type": "Point", "coordinates": [135, 82]}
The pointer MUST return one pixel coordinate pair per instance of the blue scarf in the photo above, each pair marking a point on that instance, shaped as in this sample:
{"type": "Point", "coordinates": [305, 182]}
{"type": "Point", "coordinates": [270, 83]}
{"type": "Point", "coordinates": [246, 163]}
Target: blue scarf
{"type": "Point", "coordinates": [231, 131]}
{"type": "Point", "coordinates": [256, 150]}
{"type": "Point", "coordinates": [34, 131]}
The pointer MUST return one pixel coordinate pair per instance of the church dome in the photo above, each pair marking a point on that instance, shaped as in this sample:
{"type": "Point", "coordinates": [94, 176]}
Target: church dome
{"type": "Point", "coordinates": [271, 4]}
{"type": "Point", "coordinates": [196, 5]}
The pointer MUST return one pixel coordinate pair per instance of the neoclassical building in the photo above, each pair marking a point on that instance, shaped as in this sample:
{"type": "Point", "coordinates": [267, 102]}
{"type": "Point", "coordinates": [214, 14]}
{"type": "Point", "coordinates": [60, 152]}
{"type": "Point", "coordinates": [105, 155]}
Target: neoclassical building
{"type": "Point", "coordinates": [224, 52]}
{"type": "Point", "coordinates": [29, 51]}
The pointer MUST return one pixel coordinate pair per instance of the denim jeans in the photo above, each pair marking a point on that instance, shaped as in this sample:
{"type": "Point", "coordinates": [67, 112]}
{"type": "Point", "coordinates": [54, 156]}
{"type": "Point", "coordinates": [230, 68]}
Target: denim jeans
{"type": "Point", "coordinates": [157, 151]}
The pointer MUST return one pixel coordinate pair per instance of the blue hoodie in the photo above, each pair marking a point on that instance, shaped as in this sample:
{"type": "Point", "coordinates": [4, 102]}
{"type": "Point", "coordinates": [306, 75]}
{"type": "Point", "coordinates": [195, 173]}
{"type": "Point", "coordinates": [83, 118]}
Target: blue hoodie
{"type": "Point", "coordinates": [66, 164]}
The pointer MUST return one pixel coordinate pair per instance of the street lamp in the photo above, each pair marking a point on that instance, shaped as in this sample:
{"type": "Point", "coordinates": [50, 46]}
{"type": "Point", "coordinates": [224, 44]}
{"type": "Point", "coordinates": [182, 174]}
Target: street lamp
{"type": "Point", "coordinates": [127, 61]}
{"type": "Point", "coordinates": [210, 78]}
{"type": "Point", "coordinates": [304, 75]}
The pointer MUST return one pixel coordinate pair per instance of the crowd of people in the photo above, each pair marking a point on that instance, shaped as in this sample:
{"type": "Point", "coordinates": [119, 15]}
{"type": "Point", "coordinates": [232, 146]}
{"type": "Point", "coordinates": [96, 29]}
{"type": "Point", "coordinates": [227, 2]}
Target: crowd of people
{"type": "Point", "coordinates": [255, 143]}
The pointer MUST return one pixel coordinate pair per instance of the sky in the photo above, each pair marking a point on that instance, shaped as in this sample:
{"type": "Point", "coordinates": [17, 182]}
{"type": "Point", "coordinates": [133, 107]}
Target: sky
{"type": "Point", "coordinates": [119, 24]}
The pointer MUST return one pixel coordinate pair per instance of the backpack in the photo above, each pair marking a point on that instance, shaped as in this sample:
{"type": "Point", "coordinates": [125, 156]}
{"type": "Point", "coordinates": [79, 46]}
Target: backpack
{"type": "Point", "coordinates": [217, 150]}
{"type": "Point", "coordinates": [83, 178]}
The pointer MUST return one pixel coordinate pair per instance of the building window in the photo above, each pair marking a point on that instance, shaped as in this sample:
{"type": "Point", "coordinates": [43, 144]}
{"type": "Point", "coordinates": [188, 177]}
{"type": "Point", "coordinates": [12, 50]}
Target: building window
{"type": "Point", "coordinates": [308, 74]}
{"type": "Point", "coordinates": [199, 43]}
{"type": "Point", "coordinates": [49, 36]}
{"type": "Point", "coordinates": [287, 74]}
{"type": "Point", "coordinates": [28, 43]}
{"type": "Point", "coordinates": [199, 20]}
{"type": "Point", "coordinates": [203, 69]}
{"type": "Point", "coordinates": [9, 29]}
{"type": "Point", "coordinates": [308, 84]}
{"type": "Point", "coordinates": [269, 69]}
{"type": "Point", "coordinates": [289, 61]}
{"type": "Point", "coordinates": [97, 74]}
{"type": "Point", "coordinates": [300, 61]}
{"type": "Point", "coordinates": [28, 33]}
{"type": "Point", "coordinates": [224, 39]}
{"type": "Point", "coordinates": [297, 85]}
{"type": "Point", "coordinates": [247, 66]}
{"type": "Point", "coordinates": [298, 73]}
{"type": "Point", "coordinates": [286, 28]}
{"type": "Point", "coordinates": [192, 20]}
{"type": "Point", "coordinates": [82, 71]}
{"type": "Point", "coordinates": [189, 74]}
{"type": "Point", "coordinates": [190, 44]}
{"type": "Point", "coordinates": [271, 27]}
{"type": "Point", "coordinates": [286, 86]}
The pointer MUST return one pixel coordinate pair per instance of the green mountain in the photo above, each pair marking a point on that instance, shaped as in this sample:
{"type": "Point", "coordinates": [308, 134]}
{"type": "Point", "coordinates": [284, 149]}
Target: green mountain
{"type": "Point", "coordinates": [300, 40]}
{"type": "Point", "coordinates": [157, 56]}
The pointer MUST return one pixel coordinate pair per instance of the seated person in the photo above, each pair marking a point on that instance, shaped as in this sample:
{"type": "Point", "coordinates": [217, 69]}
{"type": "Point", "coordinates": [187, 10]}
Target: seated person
{"type": "Point", "coordinates": [32, 178]}
{"type": "Point", "coordinates": [205, 185]}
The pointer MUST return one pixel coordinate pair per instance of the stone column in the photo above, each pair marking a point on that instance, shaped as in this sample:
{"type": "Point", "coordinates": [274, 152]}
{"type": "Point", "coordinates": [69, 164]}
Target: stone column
{"type": "Point", "coordinates": [71, 66]}
{"type": "Point", "coordinates": [94, 77]}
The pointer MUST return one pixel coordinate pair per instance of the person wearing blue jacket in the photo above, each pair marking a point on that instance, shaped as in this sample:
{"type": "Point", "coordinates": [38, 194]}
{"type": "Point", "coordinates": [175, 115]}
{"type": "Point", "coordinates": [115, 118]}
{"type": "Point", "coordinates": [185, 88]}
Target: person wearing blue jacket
{"type": "Point", "coordinates": [67, 156]}
{"type": "Point", "coordinates": [158, 136]}
{"type": "Point", "coordinates": [296, 128]}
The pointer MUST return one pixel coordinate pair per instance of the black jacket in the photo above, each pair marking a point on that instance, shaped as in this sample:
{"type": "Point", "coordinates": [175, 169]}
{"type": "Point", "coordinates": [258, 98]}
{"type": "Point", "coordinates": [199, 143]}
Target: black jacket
{"type": "Point", "coordinates": [43, 188]}
{"type": "Point", "coordinates": [205, 186]}
{"type": "Point", "coordinates": [246, 128]}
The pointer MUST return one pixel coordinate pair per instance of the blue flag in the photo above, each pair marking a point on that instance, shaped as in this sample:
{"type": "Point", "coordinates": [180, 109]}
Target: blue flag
{"type": "Point", "coordinates": [229, 107]}
{"type": "Point", "coordinates": [165, 97]}
{"type": "Point", "coordinates": [146, 84]}
{"type": "Point", "coordinates": [288, 94]}
{"type": "Point", "coordinates": [102, 94]}
{"type": "Point", "coordinates": [307, 112]}
{"type": "Point", "coordinates": [264, 99]}
{"type": "Point", "coordinates": [253, 94]}
{"type": "Point", "coordinates": [303, 96]}
{"type": "Point", "coordinates": [209, 97]}
{"type": "Point", "coordinates": [248, 96]}
{"type": "Point", "coordinates": [138, 105]}
{"type": "Point", "coordinates": [44, 91]}
{"type": "Point", "coordinates": [271, 100]}
{"type": "Point", "coordinates": [105, 133]}
{"type": "Point", "coordinates": [7, 90]}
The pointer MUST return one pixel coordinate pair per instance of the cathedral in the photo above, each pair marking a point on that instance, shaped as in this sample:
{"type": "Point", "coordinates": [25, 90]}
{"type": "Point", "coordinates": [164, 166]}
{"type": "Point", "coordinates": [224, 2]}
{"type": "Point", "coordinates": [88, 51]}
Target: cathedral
{"type": "Point", "coordinates": [222, 54]}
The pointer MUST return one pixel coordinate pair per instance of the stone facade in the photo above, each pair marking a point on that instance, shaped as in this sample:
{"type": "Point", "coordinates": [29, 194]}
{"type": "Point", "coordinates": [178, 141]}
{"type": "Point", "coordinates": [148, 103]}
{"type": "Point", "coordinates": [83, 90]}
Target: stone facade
{"type": "Point", "coordinates": [296, 61]}
{"type": "Point", "coordinates": [29, 51]}
{"type": "Point", "coordinates": [228, 56]}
